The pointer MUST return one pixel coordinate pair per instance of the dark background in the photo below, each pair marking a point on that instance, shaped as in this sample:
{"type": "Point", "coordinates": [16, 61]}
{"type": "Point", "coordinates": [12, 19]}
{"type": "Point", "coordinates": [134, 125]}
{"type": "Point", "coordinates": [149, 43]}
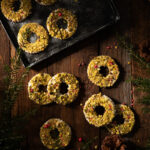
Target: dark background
{"type": "Point", "coordinates": [135, 22]}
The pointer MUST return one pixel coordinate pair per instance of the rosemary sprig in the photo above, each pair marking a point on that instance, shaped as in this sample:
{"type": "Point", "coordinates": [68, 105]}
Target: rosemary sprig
{"type": "Point", "coordinates": [26, 33]}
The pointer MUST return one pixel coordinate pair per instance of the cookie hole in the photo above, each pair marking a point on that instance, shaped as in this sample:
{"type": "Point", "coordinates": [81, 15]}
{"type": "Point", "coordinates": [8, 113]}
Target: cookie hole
{"type": "Point", "coordinates": [16, 5]}
{"type": "Point", "coordinates": [63, 88]}
{"type": "Point", "coordinates": [118, 119]}
{"type": "Point", "coordinates": [42, 88]}
{"type": "Point", "coordinates": [104, 71]}
{"type": "Point", "coordinates": [32, 37]}
{"type": "Point", "coordinates": [99, 110]}
{"type": "Point", "coordinates": [54, 133]}
{"type": "Point", "coordinates": [62, 24]}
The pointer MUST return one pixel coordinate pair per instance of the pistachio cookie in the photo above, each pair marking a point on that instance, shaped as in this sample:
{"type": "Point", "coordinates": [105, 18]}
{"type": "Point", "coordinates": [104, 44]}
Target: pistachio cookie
{"type": "Point", "coordinates": [37, 89]}
{"type": "Point", "coordinates": [123, 121]}
{"type": "Point", "coordinates": [64, 88]}
{"type": "Point", "coordinates": [103, 71]}
{"type": "Point", "coordinates": [41, 38]}
{"type": "Point", "coordinates": [15, 10]}
{"type": "Point", "coordinates": [99, 110]}
{"type": "Point", "coordinates": [46, 2]}
{"type": "Point", "coordinates": [63, 16]}
{"type": "Point", "coordinates": [55, 134]}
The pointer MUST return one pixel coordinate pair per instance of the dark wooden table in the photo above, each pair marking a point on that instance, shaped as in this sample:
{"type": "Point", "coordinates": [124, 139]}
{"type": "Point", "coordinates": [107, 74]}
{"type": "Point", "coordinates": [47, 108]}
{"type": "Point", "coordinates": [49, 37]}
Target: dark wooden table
{"type": "Point", "coordinates": [135, 22]}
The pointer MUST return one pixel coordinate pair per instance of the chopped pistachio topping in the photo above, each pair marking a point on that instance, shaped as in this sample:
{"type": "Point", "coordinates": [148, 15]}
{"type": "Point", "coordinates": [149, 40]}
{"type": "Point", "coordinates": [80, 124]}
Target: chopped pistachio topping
{"type": "Point", "coordinates": [7, 7]}
{"type": "Point", "coordinates": [99, 119]}
{"type": "Point", "coordinates": [37, 89]}
{"type": "Point", "coordinates": [128, 123]}
{"type": "Point", "coordinates": [94, 71]}
{"type": "Point", "coordinates": [72, 90]}
{"type": "Point", "coordinates": [58, 141]}
{"type": "Point", "coordinates": [46, 2]}
{"type": "Point", "coordinates": [42, 38]}
{"type": "Point", "coordinates": [61, 33]}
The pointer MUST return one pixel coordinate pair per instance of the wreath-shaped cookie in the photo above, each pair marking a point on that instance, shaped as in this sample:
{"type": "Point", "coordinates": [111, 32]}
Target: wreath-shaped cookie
{"type": "Point", "coordinates": [41, 38]}
{"type": "Point", "coordinates": [99, 110]}
{"type": "Point", "coordinates": [64, 88]}
{"type": "Point", "coordinates": [37, 89]}
{"type": "Point", "coordinates": [123, 121]}
{"type": "Point", "coordinates": [13, 13]}
{"type": "Point", "coordinates": [103, 71]}
{"type": "Point", "coordinates": [64, 16]}
{"type": "Point", "coordinates": [55, 134]}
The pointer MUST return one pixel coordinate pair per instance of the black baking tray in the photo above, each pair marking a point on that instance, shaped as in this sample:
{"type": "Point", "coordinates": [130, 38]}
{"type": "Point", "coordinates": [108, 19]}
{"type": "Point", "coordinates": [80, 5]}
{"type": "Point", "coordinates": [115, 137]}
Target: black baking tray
{"type": "Point", "coordinates": [93, 16]}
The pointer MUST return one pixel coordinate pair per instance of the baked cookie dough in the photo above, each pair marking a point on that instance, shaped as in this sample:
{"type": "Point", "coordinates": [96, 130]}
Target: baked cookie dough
{"type": "Point", "coordinates": [46, 2]}
{"type": "Point", "coordinates": [37, 89]}
{"type": "Point", "coordinates": [55, 134]}
{"type": "Point", "coordinates": [22, 12]}
{"type": "Point", "coordinates": [103, 71]}
{"type": "Point", "coordinates": [66, 16]}
{"type": "Point", "coordinates": [99, 110]}
{"type": "Point", "coordinates": [123, 121]}
{"type": "Point", "coordinates": [41, 38]}
{"type": "Point", "coordinates": [64, 88]}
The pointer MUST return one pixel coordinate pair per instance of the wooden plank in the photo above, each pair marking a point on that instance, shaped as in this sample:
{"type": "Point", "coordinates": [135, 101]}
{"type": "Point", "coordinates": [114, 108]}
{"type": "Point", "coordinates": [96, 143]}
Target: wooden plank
{"type": "Point", "coordinates": [4, 54]}
{"type": "Point", "coordinates": [140, 31]}
{"type": "Point", "coordinates": [134, 19]}
{"type": "Point", "coordinates": [134, 23]}
{"type": "Point", "coordinates": [33, 128]}
{"type": "Point", "coordinates": [4, 59]}
{"type": "Point", "coordinates": [121, 91]}
{"type": "Point", "coordinates": [73, 114]}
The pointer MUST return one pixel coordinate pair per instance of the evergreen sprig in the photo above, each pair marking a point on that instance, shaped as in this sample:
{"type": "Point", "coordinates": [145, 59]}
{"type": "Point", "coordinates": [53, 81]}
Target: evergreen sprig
{"type": "Point", "coordinates": [10, 138]}
{"type": "Point", "coordinates": [147, 147]}
{"type": "Point", "coordinates": [86, 144]}
{"type": "Point", "coordinates": [142, 84]}
{"type": "Point", "coordinates": [125, 43]}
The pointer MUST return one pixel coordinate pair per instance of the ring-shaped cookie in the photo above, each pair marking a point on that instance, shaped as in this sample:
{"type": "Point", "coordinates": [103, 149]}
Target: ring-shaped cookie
{"type": "Point", "coordinates": [65, 15]}
{"type": "Point", "coordinates": [103, 71]}
{"type": "Point", "coordinates": [45, 2]}
{"type": "Point", "coordinates": [106, 111]}
{"type": "Point", "coordinates": [55, 134]}
{"type": "Point", "coordinates": [41, 41]}
{"type": "Point", "coordinates": [71, 88]}
{"type": "Point", "coordinates": [37, 89]}
{"type": "Point", "coordinates": [123, 121]}
{"type": "Point", "coordinates": [8, 9]}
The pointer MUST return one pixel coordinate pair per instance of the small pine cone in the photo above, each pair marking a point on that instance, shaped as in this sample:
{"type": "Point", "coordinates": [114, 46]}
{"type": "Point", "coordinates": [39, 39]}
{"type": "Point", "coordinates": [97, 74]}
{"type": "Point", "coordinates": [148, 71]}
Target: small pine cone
{"type": "Point", "coordinates": [113, 142]}
{"type": "Point", "coordinates": [144, 49]}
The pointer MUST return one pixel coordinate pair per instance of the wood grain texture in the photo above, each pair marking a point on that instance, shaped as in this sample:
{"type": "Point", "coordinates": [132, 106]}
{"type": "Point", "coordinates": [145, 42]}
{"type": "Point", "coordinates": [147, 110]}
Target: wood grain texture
{"type": "Point", "coordinates": [139, 32]}
{"type": "Point", "coordinates": [135, 22]}
{"type": "Point", "coordinates": [4, 59]}
{"type": "Point", "coordinates": [4, 54]}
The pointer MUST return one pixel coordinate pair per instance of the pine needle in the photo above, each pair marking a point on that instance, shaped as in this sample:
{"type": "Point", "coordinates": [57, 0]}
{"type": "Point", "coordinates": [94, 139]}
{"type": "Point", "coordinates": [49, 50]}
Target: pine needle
{"type": "Point", "coordinates": [10, 139]}
{"type": "Point", "coordinates": [125, 43]}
